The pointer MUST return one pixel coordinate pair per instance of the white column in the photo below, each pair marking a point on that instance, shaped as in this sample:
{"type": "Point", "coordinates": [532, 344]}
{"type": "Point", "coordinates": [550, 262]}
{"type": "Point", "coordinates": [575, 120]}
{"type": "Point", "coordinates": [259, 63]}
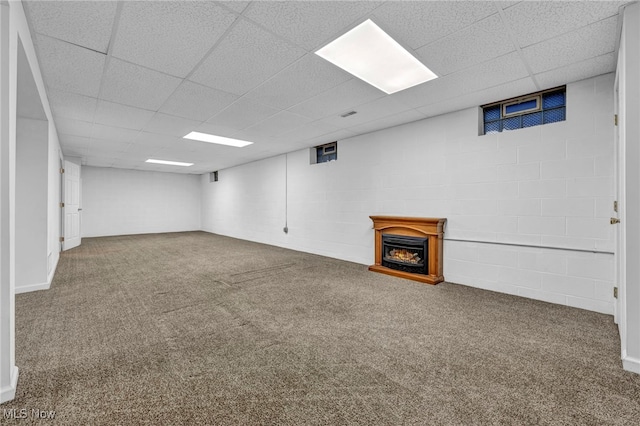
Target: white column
{"type": "Point", "coordinates": [8, 369]}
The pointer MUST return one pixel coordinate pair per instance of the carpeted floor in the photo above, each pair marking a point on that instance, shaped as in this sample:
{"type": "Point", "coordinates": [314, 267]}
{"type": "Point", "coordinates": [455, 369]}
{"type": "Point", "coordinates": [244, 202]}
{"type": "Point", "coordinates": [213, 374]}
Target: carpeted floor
{"type": "Point", "coordinates": [195, 328]}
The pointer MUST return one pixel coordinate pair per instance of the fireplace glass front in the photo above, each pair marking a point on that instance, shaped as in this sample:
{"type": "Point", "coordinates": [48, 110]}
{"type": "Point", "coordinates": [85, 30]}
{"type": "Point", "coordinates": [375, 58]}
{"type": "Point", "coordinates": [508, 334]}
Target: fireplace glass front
{"type": "Point", "coordinates": [408, 254]}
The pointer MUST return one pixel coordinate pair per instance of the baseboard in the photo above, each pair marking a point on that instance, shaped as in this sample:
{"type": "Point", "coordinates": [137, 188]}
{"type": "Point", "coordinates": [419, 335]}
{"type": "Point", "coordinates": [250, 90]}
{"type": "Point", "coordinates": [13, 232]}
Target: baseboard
{"type": "Point", "coordinates": [9, 393]}
{"type": "Point", "coordinates": [42, 286]}
{"type": "Point", "coordinates": [32, 287]}
{"type": "Point", "coordinates": [630, 363]}
{"type": "Point", "coordinates": [53, 272]}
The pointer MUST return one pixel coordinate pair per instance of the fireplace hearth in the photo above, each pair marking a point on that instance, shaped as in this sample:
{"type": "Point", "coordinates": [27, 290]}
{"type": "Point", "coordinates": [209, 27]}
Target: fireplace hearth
{"type": "Point", "coordinates": [409, 247]}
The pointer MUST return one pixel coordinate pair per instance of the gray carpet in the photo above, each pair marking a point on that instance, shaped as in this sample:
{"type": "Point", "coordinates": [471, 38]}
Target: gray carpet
{"type": "Point", "coordinates": [195, 328]}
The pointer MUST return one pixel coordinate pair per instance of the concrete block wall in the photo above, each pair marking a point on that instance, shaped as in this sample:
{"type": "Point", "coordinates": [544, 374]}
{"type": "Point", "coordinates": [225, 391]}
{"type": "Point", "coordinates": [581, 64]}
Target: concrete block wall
{"type": "Point", "coordinates": [549, 185]}
{"type": "Point", "coordinates": [122, 202]}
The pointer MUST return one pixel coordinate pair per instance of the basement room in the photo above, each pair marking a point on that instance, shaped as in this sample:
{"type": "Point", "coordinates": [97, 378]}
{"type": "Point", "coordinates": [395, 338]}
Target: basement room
{"type": "Point", "coordinates": [319, 212]}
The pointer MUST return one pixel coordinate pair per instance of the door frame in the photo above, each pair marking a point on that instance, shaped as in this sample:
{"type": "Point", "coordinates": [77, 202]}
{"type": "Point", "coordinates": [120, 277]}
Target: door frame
{"type": "Point", "coordinates": [620, 255]}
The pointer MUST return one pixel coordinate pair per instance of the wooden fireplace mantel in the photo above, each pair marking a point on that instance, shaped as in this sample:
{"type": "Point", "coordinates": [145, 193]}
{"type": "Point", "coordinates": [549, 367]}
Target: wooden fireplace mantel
{"type": "Point", "coordinates": [430, 228]}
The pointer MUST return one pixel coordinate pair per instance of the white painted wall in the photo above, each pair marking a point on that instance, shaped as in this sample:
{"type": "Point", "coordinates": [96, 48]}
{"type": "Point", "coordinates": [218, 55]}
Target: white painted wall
{"type": "Point", "coordinates": [122, 202]}
{"type": "Point", "coordinates": [14, 30]}
{"type": "Point", "coordinates": [629, 112]}
{"type": "Point", "coordinates": [549, 185]}
{"type": "Point", "coordinates": [32, 156]}
{"type": "Point", "coordinates": [8, 369]}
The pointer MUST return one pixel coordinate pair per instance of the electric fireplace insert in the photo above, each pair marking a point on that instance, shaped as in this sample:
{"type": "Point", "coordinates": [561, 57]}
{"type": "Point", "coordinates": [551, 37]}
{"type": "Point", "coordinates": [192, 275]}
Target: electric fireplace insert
{"type": "Point", "coordinates": [408, 254]}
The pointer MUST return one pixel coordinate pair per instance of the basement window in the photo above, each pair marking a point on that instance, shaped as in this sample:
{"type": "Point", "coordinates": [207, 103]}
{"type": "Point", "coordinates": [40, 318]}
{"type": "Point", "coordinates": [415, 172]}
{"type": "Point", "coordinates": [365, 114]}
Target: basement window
{"type": "Point", "coordinates": [530, 110]}
{"type": "Point", "coordinates": [325, 153]}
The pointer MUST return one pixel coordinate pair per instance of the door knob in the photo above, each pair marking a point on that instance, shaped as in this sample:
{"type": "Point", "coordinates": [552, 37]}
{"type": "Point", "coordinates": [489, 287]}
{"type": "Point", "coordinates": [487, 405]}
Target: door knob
{"type": "Point", "coordinates": [614, 220]}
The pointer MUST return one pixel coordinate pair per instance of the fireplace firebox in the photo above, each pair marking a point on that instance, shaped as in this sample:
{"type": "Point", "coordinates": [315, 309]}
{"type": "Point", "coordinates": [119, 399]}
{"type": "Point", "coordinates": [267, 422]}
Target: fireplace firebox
{"type": "Point", "coordinates": [408, 254]}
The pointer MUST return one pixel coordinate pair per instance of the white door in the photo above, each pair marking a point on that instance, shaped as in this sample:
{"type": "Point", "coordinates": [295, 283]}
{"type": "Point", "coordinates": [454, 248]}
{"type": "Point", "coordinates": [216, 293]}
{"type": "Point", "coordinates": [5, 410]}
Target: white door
{"type": "Point", "coordinates": [72, 215]}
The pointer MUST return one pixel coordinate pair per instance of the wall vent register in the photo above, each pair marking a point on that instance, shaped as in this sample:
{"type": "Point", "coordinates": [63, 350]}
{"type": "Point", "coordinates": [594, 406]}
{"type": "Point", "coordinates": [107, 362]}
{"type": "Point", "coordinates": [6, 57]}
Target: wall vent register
{"type": "Point", "coordinates": [530, 110]}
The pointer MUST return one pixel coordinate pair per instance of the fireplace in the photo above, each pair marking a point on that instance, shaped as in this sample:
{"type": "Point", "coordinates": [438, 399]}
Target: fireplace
{"type": "Point", "coordinates": [409, 247]}
{"type": "Point", "coordinates": [408, 254]}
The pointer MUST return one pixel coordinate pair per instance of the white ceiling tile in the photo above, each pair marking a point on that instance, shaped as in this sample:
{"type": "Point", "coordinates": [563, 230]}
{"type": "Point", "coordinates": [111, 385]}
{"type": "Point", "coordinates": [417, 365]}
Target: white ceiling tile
{"type": "Point", "coordinates": [478, 43]}
{"type": "Point", "coordinates": [73, 151]}
{"type": "Point", "coordinates": [74, 145]}
{"type": "Point", "coordinates": [143, 152]}
{"type": "Point", "coordinates": [138, 155]}
{"type": "Point", "coordinates": [71, 105]}
{"type": "Point", "coordinates": [236, 5]}
{"type": "Point", "coordinates": [309, 24]}
{"type": "Point", "coordinates": [242, 114]}
{"type": "Point", "coordinates": [577, 71]}
{"type": "Point", "coordinates": [171, 125]}
{"type": "Point", "coordinates": [107, 146]}
{"type": "Point", "coordinates": [97, 161]}
{"type": "Point", "coordinates": [77, 141]}
{"type": "Point", "coordinates": [283, 121]}
{"type": "Point", "coordinates": [176, 154]}
{"type": "Point", "coordinates": [339, 99]}
{"type": "Point", "coordinates": [390, 121]}
{"type": "Point", "coordinates": [196, 102]}
{"type": "Point", "coordinates": [70, 68]}
{"type": "Point", "coordinates": [100, 131]}
{"type": "Point", "coordinates": [169, 36]}
{"type": "Point", "coordinates": [154, 139]}
{"type": "Point", "coordinates": [72, 127]}
{"type": "Point", "coordinates": [85, 23]}
{"type": "Point", "coordinates": [245, 58]}
{"type": "Point", "coordinates": [310, 131]}
{"type": "Point", "coordinates": [308, 77]}
{"type": "Point", "coordinates": [374, 110]}
{"type": "Point", "coordinates": [506, 4]}
{"type": "Point", "coordinates": [118, 115]}
{"type": "Point", "coordinates": [255, 137]}
{"type": "Point", "coordinates": [416, 23]}
{"type": "Point", "coordinates": [137, 86]}
{"type": "Point", "coordinates": [535, 21]}
{"type": "Point", "coordinates": [594, 40]}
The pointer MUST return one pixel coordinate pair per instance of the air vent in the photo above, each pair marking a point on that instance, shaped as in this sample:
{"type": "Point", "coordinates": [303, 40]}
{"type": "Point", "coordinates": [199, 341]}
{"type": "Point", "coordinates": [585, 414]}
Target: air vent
{"type": "Point", "coordinates": [213, 176]}
{"type": "Point", "coordinates": [347, 114]}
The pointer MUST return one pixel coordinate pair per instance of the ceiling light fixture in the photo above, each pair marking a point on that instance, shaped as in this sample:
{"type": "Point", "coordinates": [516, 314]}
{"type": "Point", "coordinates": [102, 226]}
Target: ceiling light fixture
{"type": "Point", "coordinates": [374, 57]}
{"type": "Point", "coordinates": [205, 137]}
{"type": "Point", "coordinates": [169, 163]}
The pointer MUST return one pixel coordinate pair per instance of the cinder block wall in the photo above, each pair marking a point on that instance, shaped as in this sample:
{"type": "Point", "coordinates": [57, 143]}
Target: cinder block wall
{"type": "Point", "coordinates": [549, 185]}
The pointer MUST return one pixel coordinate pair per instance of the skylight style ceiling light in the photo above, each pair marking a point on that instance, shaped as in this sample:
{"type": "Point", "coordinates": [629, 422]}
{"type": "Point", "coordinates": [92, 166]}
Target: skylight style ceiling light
{"type": "Point", "coordinates": [204, 137]}
{"type": "Point", "coordinates": [373, 56]}
{"type": "Point", "coordinates": [168, 163]}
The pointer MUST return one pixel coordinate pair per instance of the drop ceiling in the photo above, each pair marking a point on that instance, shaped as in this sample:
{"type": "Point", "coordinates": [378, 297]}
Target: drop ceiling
{"type": "Point", "coordinates": [126, 80]}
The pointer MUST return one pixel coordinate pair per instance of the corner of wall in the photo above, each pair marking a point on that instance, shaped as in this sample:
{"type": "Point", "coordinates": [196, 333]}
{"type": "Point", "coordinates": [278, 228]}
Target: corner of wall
{"type": "Point", "coordinates": [9, 392]}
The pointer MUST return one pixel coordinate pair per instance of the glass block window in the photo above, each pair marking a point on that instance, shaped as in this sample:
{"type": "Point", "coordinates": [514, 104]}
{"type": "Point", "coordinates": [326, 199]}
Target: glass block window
{"type": "Point", "coordinates": [328, 152]}
{"type": "Point", "coordinates": [526, 111]}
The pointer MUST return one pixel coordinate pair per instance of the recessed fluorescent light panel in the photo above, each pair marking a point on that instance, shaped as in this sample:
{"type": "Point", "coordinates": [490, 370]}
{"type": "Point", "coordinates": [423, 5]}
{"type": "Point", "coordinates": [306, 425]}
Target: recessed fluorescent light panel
{"type": "Point", "coordinates": [373, 56]}
{"type": "Point", "coordinates": [168, 163]}
{"type": "Point", "coordinates": [204, 137]}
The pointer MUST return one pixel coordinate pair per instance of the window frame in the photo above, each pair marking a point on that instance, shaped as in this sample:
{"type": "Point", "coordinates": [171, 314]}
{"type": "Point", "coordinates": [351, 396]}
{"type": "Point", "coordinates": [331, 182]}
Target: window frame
{"type": "Point", "coordinates": [503, 115]}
